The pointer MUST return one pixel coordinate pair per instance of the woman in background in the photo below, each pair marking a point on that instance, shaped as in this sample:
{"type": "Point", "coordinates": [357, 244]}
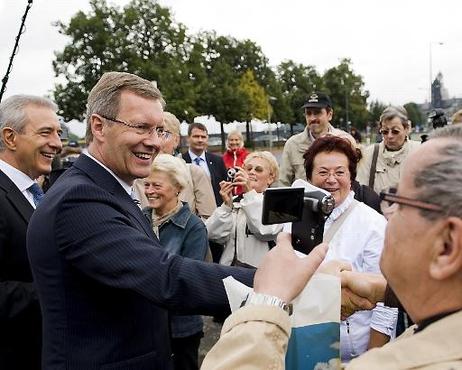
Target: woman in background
{"type": "Point", "coordinates": [237, 222]}
{"type": "Point", "coordinates": [235, 152]}
{"type": "Point", "coordinates": [179, 232]}
{"type": "Point", "coordinates": [355, 233]}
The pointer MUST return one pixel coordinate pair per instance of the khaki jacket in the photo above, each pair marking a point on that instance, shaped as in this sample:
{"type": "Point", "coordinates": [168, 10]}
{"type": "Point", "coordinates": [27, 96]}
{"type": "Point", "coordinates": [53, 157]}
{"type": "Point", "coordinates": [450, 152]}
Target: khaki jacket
{"type": "Point", "coordinates": [389, 165]}
{"type": "Point", "coordinates": [437, 347]}
{"type": "Point", "coordinates": [292, 162]}
{"type": "Point", "coordinates": [252, 338]}
{"type": "Point", "coordinates": [256, 337]}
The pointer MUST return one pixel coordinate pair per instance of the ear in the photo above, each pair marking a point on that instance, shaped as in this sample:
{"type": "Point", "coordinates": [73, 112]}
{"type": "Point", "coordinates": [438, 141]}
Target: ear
{"type": "Point", "coordinates": [177, 141]}
{"type": "Point", "coordinates": [447, 259]}
{"type": "Point", "coordinates": [9, 138]}
{"type": "Point", "coordinates": [97, 126]}
{"type": "Point", "coordinates": [330, 114]}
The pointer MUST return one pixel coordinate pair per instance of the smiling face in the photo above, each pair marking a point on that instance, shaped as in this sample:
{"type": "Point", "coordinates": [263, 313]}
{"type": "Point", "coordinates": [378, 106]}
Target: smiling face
{"type": "Point", "coordinates": [162, 194]}
{"type": "Point", "coordinates": [122, 148]}
{"type": "Point", "coordinates": [259, 172]}
{"type": "Point", "coordinates": [38, 143]}
{"type": "Point", "coordinates": [331, 173]}
{"type": "Point", "coordinates": [318, 120]}
{"type": "Point", "coordinates": [234, 141]}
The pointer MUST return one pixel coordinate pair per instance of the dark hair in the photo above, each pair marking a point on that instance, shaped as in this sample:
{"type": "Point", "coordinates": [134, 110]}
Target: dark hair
{"type": "Point", "coordinates": [197, 125]}
{"type": "Point", "coordinates": [330, 143]}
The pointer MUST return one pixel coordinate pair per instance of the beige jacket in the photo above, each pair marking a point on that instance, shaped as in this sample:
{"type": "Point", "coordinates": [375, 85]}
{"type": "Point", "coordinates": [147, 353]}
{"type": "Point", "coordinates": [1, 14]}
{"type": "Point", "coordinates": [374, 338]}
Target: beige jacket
{"type": "Point", "coordinates": [292, 162]}
{"type": "Point", "coordinates": [389, 165]}
{"type": "Point", "coordinates": [252, 338]}
{"type": "Point", "coordinates": [256, 337]}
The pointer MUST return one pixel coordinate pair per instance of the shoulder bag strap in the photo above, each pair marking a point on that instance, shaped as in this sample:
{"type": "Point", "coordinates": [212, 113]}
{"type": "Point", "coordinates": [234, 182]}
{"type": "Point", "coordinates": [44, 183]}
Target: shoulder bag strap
{"type": "Point", "coordinates": [375, 155]}
{"type": "Point", "coordinates": [328, 236]}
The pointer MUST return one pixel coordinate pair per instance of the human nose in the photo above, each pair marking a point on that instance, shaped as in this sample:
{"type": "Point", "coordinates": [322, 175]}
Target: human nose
{"type": "Point", "coordinates": [56, 142]}
{"type": "Point", "coordinates": [331, 177]}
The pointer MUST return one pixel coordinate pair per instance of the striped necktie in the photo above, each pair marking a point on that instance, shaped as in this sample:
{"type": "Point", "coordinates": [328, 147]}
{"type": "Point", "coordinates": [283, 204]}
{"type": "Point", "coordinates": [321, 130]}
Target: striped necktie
{"type": "Point", "coordinates": [36, 192]}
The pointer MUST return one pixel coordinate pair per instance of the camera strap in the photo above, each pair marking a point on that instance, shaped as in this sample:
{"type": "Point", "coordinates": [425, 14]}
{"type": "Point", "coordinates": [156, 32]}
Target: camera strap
{"type": "Point", "coordinates": [329, 235]}
{"type": "Point", "coordinates": [375, 155]}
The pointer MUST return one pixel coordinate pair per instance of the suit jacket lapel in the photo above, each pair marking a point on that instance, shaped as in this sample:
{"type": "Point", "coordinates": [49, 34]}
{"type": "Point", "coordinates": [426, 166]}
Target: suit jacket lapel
{"type": "Point", "coordinates": [16, 198]}
{"type": "Point", "coordinates": [106, 181]}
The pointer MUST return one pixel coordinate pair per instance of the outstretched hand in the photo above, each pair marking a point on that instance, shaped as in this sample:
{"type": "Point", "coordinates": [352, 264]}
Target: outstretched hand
{"type": "Point", "coordinates": [282, 273]}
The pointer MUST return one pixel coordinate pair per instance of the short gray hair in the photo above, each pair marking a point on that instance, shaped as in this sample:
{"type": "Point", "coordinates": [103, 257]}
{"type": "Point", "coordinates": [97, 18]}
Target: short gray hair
{"type": "Point", "coordinates": [13, 112]}
{"type": "Point", "coordinates": [171, 166]}
{"type": "Point", "coordinates": [104, 98]}
{"type": "Point", "coordinates": [440, 182]}
{"type": "Point", "coordinates": [268, 157]}
{"type": "Point", "coordinates": [394, 111]}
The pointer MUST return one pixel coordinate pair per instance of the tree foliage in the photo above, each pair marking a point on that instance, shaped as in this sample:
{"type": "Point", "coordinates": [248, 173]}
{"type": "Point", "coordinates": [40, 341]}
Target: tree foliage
{"type": "Point", "coordinates": [346, 89]}
{"type": "Point", "coordinates": [199, 74]}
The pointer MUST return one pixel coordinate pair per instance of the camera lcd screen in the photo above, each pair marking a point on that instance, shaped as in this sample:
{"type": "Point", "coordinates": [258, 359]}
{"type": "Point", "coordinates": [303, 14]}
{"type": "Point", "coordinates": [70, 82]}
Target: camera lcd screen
{"type": "Point", "coordinates": [281, 205]}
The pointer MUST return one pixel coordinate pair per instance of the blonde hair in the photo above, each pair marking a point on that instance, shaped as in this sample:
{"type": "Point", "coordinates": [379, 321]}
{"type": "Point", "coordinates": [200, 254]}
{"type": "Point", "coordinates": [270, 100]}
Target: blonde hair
{"type": "Point", "coordinates": [457, 117]}
{"type": "Point", "coordinates": [173, 167]}
{"type": "Point", "coordinates": [172, 124]}
{"type": "Point", "coordinates": [268, 157]}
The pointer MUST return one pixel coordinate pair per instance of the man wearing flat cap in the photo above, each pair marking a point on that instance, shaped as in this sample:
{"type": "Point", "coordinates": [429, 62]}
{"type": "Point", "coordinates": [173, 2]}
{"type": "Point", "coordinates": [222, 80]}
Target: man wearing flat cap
{"type": "Point", "coordinates": [318, 114]}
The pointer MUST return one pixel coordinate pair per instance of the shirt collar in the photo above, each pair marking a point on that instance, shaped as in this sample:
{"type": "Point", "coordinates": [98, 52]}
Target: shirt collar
{"type": "Point", "coordinates": [19, 178]}
{"type": "Point", "coordinates": [342, 207]}
{"type": "Point", "coordinates": [194, 156]}
{"type": "Point", "coordinates": [127, 187]}
{"type": "Point", "coordinates": [329, 130]}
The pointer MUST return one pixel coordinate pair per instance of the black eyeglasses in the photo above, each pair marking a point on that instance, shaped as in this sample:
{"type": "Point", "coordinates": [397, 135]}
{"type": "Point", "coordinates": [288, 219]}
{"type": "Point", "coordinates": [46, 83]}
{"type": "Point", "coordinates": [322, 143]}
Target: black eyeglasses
{"type": "Point", "coordinates": [393, 198]}
{"type": "Point", "coordinates": [142, 129]}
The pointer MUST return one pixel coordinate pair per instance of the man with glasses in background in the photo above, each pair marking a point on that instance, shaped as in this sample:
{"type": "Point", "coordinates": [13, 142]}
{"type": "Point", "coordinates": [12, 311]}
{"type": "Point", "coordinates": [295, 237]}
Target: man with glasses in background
{"type": "Point", "coordinates": [381, 165]}
{"type": "Point", "coordinates": [103, 281]}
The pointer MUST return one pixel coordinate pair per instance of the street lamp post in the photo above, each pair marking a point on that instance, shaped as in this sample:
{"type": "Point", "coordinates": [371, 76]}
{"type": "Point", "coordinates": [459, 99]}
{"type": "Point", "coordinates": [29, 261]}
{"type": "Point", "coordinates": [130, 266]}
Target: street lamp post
{"type": "Point", "coordinates": [270, 134]}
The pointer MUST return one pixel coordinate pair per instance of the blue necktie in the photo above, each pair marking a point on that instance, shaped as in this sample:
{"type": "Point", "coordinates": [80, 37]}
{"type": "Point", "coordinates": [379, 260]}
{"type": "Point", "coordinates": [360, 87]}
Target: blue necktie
{"type": "Point", "coordinates": [135, 199]}
{"type": "Point", "coordinates": [198, 160]}
{"type": "Point", "coordinates": [36, 192]}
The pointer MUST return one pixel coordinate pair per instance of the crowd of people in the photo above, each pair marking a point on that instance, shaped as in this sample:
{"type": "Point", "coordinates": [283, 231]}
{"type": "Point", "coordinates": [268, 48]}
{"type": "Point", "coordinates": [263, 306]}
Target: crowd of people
{"type": "Point", "coordinates": [110, 263]}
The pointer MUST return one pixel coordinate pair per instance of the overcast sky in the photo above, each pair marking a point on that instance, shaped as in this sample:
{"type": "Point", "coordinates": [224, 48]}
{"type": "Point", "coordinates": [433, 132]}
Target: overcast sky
{"type": "Point", "coordinates": [387, 41]}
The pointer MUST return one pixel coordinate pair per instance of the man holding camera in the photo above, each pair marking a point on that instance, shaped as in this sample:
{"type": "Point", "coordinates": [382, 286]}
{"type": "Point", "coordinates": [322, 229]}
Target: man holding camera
{"type": "Point", "coordinates": [318, 114]}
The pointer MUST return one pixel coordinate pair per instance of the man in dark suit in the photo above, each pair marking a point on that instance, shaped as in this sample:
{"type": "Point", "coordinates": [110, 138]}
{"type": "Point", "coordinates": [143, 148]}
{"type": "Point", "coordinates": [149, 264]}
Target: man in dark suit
{"type": "Point", "coordinates": [104, 283]}
{"type": "Point", "coordinates": [212, 164]}
{"type": "Point", "coordinates": [29, 139]}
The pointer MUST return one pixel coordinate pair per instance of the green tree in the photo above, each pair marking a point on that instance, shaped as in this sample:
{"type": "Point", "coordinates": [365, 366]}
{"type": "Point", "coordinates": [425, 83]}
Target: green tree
{"type": "Point", "coordinates": [142, 39]}
{"type": "Point", "coordinates": [257, 101]}
{"type": "Point", "coordinates": [375, 110]}
{"type": "Point", "coordinates": [346, 89]}
{"type": "Point", "coordinates": [296, 83]}
{"type": "Point", "coordinates": [414, 114]}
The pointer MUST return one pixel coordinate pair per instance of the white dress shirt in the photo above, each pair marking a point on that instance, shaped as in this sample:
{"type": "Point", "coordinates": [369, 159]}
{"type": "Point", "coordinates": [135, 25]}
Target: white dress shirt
{"type": "Point", "coordinates": [202, 163]}
{"type": "Point", "coordinates": [20, 179]}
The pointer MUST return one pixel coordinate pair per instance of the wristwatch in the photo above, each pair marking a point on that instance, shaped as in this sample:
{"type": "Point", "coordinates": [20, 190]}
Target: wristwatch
{"type": "Point", "coordinates": [267, 300]}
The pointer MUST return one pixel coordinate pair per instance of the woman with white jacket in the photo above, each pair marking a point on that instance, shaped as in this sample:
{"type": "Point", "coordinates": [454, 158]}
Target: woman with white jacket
{"type": "Point", "coordinates": [237, 222]}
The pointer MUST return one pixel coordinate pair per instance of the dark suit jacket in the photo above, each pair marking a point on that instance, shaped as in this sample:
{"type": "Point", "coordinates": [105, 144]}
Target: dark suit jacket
{"type": "Point", "coordinates": [103, 281]}
{"type": "Point", "coordinates": [20, 323]}
{"type": "Point", "coordinates": [217, 172]}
